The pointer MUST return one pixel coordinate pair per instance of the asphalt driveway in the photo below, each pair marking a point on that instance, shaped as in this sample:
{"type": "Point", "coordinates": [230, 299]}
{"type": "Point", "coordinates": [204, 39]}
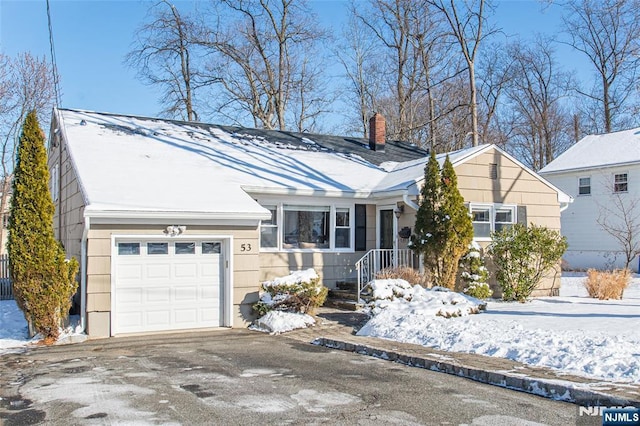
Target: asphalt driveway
{"type": "Point", "coordinates": [241, 377]}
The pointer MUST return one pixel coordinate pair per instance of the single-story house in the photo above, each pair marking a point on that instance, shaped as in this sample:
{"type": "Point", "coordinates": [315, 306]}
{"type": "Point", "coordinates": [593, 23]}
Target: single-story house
{"type": "Point", "coordinates": [602, 174]}
{"type": "Point", "coordinates": [176, 224]}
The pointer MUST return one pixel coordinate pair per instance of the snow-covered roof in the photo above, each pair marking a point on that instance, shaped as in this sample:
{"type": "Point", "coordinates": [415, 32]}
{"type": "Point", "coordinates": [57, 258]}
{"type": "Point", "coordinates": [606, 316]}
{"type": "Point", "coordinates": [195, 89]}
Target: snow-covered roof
{"type": "Point", "coordinates": [137, 167]}
{"type": "Point", "coordinates": [595, 151]}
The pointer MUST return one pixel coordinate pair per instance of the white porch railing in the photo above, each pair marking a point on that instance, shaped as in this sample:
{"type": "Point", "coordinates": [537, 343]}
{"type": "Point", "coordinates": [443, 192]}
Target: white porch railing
{"type": "Point", "coordinates": [375, 260]}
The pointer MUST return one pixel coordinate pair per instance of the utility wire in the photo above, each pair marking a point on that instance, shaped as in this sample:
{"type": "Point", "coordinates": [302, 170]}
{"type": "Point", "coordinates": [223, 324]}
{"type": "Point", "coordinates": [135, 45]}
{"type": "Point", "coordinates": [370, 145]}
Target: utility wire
{"type": "Point", "coordinates": [56, 81]}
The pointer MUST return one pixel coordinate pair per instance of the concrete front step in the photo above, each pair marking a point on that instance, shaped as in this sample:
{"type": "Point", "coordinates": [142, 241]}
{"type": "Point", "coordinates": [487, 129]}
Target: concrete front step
{"type": "Point", "coordinates": [343, 294]}
{"type": "Point", "coordinates": [349, 285]}
{"type": "Point", "coordinates": [346, 304]}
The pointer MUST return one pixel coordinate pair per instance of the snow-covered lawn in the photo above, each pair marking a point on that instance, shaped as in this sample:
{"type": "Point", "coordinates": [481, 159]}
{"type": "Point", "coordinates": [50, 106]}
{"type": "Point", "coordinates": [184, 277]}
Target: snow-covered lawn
{"type": "Point", "coordinates": [572, 333]}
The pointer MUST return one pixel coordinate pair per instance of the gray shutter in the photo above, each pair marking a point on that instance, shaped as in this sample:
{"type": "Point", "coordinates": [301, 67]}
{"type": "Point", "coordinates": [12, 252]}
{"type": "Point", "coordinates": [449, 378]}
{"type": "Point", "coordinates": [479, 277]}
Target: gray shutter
{"type": "Point", "coordinates": [522, 215]}
{"type": "Point", "coordinates": [361, 227]}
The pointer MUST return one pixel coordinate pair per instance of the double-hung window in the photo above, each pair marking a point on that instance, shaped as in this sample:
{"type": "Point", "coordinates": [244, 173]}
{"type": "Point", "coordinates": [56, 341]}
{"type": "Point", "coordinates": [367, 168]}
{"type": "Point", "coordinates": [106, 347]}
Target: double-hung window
{"type": "Point", "coordinates": [620, 182]}
{"type": "Point", "coordinates": [481, 216]}
{"type": "Point", "coordinates": [584, 186]}
{"type": "Point", "coordinates": [269, 230]}
{"type": "Point", "coordinates": [488, 218]}
{"type": "Point", "coordinates": [343, 228]}
{"type": "Point", "coordinates": [504, 218]}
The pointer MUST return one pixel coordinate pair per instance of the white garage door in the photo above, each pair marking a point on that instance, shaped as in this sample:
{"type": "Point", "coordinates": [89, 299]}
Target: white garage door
{"type": "Point", "coordinates": [167, 285]}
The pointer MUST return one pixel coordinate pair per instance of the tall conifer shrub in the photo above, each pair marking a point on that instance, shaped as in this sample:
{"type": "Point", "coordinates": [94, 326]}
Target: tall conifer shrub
{"type": "Point", "coordinates": [443, 229]}
{"type": "Point", "coordinates": [43, 280]}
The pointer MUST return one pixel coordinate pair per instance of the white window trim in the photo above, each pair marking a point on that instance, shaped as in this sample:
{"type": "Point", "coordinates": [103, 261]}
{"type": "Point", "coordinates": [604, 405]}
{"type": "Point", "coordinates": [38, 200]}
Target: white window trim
{"type": "Point", "coordinates": [277, 226]}
{"type": "Point", "coordinates": [333, 206]}
{"type": "Point", "coordinates": [614, 182]}
{"type": "Point", "coordinates": [492, 215]}
{"type": "Point", "coordinates": [590, 186]}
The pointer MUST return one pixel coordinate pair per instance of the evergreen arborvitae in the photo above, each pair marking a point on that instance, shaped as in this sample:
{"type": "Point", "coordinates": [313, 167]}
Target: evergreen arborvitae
{"type": "Point", "coordinates": [43, 280]}
{"type": "Point", "coordinates": [427, 237]}
{"type": "Point", "coordinates": [457, 224]}
{"type": "Point", "coordinates": [443, 228]}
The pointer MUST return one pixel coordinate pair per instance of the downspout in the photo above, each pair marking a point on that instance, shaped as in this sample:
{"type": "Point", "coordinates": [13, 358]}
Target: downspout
{"type": "Point", "coordinates": [564, 206]}
{"type": "Point", "coordinates": [83, 274]}
{"type": "Point", "coordinates": [408, 202]}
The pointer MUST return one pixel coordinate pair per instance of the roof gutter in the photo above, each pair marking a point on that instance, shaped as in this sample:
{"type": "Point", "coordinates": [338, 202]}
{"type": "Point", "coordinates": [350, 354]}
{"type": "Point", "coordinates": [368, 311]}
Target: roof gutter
{"type": "Point", "coordinates": [163, 216]}
{"type": "Point", "coordinates": [306, 192]}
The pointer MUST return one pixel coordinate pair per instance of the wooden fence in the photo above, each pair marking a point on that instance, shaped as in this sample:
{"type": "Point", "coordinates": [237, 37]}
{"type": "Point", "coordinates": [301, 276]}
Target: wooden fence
{"type": "Point", "coordinates": [6, 291]}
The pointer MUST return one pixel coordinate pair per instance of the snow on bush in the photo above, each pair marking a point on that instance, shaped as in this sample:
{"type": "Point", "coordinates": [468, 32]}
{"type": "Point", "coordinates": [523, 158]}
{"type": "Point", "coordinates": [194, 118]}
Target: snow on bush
{"type": "Point", "coordinates": [394, 295]}
{"type": "Point", "coordinates": [474, 273]}
{"type": "Point", "coordinates": [286, 302]}
{"type": "Point", "coordinates": [300, 291]}
{"type": "Point", "coordinates": [276, 322]}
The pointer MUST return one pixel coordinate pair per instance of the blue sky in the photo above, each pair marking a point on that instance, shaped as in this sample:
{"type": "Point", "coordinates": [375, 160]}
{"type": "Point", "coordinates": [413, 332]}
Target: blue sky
{"type": "Point", "coordinates": [92, 37]}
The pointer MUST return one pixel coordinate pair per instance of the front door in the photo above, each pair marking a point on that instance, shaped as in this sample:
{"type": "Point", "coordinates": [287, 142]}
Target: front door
{"type": "Point", "coordinates": [386, 229]}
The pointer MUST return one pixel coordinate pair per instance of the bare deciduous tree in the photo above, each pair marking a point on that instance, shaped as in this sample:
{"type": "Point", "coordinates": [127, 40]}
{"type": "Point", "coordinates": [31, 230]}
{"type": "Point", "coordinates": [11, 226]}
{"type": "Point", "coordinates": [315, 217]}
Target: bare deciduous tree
{"type": "Point", "coordinates": [495, 73]}
{"type": "Point", "coordinates": [164, 56]}
{"type": "Point", "coordinates": [26, 84]}
{"type": "Point", "coordinates": [266, 57]}
{"type": "Point", "coordinates": [363, 85]}
{"type": "Point", "coordinates": [467, 21]}
{"type": "Point", "coordinates": [541, 124]}
{"type": "Point", "coordinates": [607, 33]}
{"type": "Point", "coordinates": [620, 218]}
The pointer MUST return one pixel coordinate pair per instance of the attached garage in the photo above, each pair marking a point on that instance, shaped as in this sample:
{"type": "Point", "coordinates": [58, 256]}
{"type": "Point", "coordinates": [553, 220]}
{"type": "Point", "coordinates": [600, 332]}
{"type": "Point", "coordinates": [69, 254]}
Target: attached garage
{"type": "Point", "coordinates": [167, 284]}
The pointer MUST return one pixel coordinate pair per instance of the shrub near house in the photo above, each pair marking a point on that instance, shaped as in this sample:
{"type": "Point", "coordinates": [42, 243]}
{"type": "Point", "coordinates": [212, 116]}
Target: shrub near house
{"type": "Point", "coordinates": [300, 292]}
{"type": "Point", "coordinates": [523, 255]}
{"type": "Point", "coordinates": [43, 280]}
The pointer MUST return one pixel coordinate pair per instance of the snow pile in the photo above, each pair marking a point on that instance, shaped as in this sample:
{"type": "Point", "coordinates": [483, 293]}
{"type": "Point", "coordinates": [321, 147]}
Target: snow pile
{"type": "Point", "coordinates": [276, 322]}
{"type": "Point", "coordinates": [396, 297]}
{"type": "Point", "coordinates": [572, 333]}
{"type": "Point", "coordinates": [13, 333]}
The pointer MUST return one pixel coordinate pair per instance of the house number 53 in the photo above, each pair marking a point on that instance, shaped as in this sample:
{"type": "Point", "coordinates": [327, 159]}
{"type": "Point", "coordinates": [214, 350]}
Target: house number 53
{"type": "Point", "coordinates": [245, 247]}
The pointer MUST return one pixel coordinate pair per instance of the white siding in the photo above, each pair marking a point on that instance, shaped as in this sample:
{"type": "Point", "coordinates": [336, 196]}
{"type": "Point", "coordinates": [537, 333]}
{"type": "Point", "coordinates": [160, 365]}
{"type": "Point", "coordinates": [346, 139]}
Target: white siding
{"type": "Point", "coordinates": [590, 246]}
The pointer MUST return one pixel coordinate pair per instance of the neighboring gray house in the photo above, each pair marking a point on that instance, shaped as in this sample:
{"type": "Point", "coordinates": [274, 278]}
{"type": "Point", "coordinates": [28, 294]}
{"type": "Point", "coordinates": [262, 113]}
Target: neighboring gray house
{"type": "Point", "coordinates": [176, 224]}
{"type": "Point", "coordinates": [602, 174]}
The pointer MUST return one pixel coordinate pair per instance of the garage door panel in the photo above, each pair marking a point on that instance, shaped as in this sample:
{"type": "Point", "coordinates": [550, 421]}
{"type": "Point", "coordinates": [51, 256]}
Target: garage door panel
{"type": "Point", "coordinates": [186, 316]}
{"type": "Point", "coordinates": [162, 290]}
{"type": "Point", "coordinates": [133, 272]}
{"type": "Point", "coordinates": [158, 271]}
{"type": "Point", "coordinates": [209, 293]}
{"type": "Point", "coordinates": [210, 315]}
{"type": "Point", "coordinates": [129, 296]}
{"type": "Point", "coordinates": [189, 293]}
{"type": "Point", "coordinates": [159, 294]}
{"type": "Point", "coordinates": [132, 319]}
{"type": "Point", "coordinates": [212, 269]}
{"type": "Point", "coordinates": [186, 270]}
{"type": "Point", "coordinates": [158, 318]}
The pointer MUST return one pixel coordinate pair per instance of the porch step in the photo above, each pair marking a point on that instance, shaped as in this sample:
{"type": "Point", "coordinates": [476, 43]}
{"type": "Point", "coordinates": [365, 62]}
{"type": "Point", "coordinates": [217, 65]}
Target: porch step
{"type": "Point", "coordinates": [351, 285]}
{"type": "Point", "coordinates": [346, 304]}
{"type": "Point", "coordinates": [343, 294]}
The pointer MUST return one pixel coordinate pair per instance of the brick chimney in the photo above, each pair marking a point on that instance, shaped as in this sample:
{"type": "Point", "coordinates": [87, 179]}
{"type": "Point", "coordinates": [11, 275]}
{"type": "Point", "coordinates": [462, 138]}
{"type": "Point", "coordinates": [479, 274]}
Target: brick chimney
{"type": "Point", "coordinates": [377, 132]}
